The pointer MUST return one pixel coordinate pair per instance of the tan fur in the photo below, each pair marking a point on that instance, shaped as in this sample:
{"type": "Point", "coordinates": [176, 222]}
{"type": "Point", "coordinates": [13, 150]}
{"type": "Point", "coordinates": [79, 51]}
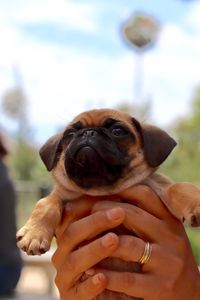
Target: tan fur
{"type": "Point", "coordinates": [182, 199]}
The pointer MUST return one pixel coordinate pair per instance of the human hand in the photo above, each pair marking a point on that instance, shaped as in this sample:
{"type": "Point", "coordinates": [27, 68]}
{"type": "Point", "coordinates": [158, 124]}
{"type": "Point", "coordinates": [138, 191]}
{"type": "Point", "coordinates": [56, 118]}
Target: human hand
{"type": "Point", "coordinates": [71, 261]}
{"type": "Point", "coordinates": [171, 272]}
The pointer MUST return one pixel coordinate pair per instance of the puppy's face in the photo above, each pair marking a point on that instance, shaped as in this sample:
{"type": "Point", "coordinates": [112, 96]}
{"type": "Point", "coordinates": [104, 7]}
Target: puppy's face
{"type": "Point", "coordinates": [103, 151]}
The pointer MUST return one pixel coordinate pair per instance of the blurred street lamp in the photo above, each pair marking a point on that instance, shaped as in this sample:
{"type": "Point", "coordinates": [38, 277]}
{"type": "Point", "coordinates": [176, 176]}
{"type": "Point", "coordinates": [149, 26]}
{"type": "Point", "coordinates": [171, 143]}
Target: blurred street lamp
{"type": "Point", "coordinates": [141, 32]}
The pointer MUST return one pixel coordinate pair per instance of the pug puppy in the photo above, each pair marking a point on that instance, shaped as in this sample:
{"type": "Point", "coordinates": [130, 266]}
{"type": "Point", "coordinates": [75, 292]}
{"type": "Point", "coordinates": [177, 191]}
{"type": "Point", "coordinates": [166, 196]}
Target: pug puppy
{"type": "Point", "coordinates": [104, 152]}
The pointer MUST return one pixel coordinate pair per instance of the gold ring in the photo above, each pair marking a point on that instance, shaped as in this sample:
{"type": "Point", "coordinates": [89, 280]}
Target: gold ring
{"type": "Point", "coordinates": [146, 254]}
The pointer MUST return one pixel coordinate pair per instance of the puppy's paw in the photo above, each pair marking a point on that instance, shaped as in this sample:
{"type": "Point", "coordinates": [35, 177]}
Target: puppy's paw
{"type": "Point", "coordinates": [32, 240]}
{"type": "Point", "coordinates": [193, 219]}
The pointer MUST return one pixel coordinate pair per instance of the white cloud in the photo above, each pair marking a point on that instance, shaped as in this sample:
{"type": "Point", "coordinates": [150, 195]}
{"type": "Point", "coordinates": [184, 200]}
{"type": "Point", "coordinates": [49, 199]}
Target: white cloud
{"type": "Point", "coordinates": [61, 81]}
{"type": "Point", "coordinates": [192, 19]}
{"type": "Point", "coordinates": [173, 72]}
{"type": "Point", "coordinates": [62, 13]}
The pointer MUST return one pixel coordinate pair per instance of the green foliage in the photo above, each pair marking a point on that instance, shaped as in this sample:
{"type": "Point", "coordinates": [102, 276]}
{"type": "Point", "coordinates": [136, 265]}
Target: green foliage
{"type": "Point", "coordinates": [26, 165]}
{"type": "Point", "coordinates": [184, 163]}
{"type": "Point", "coordinates": [23, 161]}
{"type": "Point", "coordinates": [194, 236]}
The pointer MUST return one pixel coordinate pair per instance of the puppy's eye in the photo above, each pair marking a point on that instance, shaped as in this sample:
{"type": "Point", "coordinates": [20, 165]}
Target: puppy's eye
{"type": "Point", "coordinates": [69, 134]}
{"type": "Point", "coordinates": [118, 131]}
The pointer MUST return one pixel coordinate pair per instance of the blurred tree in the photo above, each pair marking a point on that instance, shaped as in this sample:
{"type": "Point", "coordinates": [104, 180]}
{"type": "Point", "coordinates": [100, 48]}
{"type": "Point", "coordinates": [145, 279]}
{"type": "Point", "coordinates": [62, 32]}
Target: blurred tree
{"type": "Point", "coordinates": [25, 165]}
{"type": "Point", "coordinates": [24, 160]}
{"type": "Point", "coordinates": [194, 237]}
{"type": "Point", "coordinates": [184, 163]}
{"type": "Point", "coordinates": [142, 112]}
{"type": "Point", "coordinates": [15, 106]}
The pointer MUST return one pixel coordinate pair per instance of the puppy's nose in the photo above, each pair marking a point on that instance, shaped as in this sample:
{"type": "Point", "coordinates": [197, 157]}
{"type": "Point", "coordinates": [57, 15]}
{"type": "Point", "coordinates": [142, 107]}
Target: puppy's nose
{"type": "Point", "coordinates": [89, 133]}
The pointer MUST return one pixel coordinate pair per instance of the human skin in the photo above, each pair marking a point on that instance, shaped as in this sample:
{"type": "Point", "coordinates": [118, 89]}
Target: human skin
{"type": "Point", "coordinates": [170, 273]}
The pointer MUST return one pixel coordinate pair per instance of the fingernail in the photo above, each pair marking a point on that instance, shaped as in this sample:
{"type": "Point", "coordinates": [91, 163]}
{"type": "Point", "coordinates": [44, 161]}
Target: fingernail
{"type": "Point", "coordinates": [109, 240]}
{"type": "Point", "coordinates": [97, 279]}
{"type": "Point", "coordinates": [115, 213]}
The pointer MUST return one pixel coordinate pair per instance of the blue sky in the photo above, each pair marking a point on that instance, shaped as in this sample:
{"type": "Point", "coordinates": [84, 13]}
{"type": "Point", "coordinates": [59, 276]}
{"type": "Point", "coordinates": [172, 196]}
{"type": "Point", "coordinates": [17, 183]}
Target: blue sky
{"type": "Point", "coordinates": [72, 57]}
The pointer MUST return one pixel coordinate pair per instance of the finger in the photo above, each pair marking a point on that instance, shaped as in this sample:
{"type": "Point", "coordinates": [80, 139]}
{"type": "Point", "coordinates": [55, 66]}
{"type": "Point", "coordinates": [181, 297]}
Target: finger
{"type": "Point", "coordinates": [132, 284]}
{"type": "Point", "coordinates": [91, 226]}
{"type": "Point", "coordinates": [146, 198]}
{"type": "Point", "coordinates": [87, 290]}
{"type": "Point", "coordinates": [137, 220]}
{"type": "Point", "coordinates": [84, 258]}
{"type": "Point", "coordinates": [72, 211]}
{"type": "Point", "coordinates": [132, 248]}
{"type": "Point", "coordinates": [149, 201]}
{"type": "Point", "coordinates": [87, 228]}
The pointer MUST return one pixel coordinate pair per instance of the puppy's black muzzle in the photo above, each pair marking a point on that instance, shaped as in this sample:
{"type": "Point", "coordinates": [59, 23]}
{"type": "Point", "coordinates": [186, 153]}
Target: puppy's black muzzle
{"type": "Point", "coordinates": [93, 158]}
{"type": "Point", "coordinates": [89, 133]}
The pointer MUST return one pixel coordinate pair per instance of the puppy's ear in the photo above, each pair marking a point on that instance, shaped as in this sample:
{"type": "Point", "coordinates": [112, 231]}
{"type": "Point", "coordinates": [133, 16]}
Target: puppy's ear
{"type": "Point", "coordinates": [157, 144]}
{"type": "Point", "coordinates": [50, 151]}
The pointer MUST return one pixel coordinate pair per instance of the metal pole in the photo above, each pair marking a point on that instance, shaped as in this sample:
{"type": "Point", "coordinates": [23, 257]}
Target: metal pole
{"type": "Point", "coordinates": [138, 78]}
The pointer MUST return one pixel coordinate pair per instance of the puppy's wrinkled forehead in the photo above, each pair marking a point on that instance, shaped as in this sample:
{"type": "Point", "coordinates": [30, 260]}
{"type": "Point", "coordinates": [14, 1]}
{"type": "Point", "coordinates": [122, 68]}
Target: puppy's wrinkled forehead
{"type": "Point", "coordinates": [101, 117]}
